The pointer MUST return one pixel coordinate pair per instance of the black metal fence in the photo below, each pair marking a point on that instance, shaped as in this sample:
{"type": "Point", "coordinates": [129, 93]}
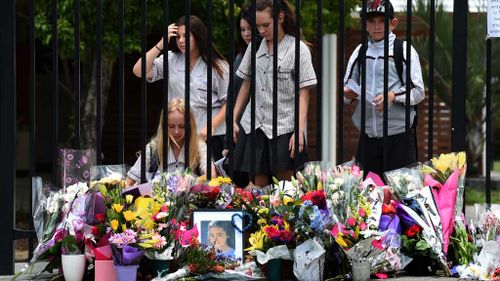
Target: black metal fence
{"type": "Point", "coordinates": [8, 109]}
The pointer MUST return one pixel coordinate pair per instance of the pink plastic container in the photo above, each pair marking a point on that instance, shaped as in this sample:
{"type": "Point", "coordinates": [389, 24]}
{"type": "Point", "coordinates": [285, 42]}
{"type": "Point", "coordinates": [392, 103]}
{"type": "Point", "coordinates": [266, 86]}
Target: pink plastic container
{"type": "Point", "coordinates": [105, 270]}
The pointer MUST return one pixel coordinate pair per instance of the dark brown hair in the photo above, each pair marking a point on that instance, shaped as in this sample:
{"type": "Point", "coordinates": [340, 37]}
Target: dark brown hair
{"type": "Point", "coordinates": [199, 31]}
{"type": "Point", "coordinates": [285, 7]}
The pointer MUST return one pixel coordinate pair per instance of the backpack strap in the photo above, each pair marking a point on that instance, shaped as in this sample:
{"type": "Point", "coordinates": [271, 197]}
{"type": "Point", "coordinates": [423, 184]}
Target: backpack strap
{"type": "Point", "coordinates": [398, 57]}
{"type": "Point", "coordinates": [362, 50]}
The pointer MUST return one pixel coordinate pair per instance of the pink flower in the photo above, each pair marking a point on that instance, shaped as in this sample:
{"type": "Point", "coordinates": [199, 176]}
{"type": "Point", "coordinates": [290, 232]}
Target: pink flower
{"type": "Point", "coordinates": [361, 212]}
{"type": "Point", "coordinates": [164, 208]}
{"type": "Point", "coordinates": [378, 244]}
{"type": "Point", "coordinates": [337, 228]}
{"type": "Point", "coordinates": [362, 225]}
{"type": "Point", "coordinates": [351, 221]}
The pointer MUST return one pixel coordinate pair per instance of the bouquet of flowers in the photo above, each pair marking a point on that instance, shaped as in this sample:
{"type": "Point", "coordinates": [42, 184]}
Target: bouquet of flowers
{"type": "Point", "coordinates": [355, 228]}
{"type": "Point", "coordinates": [311, 217]}
{"type": "Point", "coordinates": [447, 175]}
{"type": "Point", "coordinates": [274, 235]}
{"type": "Point", "coordinates": [215, 193]}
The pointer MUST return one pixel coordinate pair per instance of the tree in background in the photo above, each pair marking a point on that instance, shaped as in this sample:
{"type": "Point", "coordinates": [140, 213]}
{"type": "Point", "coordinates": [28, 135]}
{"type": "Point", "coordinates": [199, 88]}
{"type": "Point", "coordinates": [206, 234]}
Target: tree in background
{"type": "Point", "coordinates": [132, 25]}
{"type": "Point", "coordinates": [476, 72]}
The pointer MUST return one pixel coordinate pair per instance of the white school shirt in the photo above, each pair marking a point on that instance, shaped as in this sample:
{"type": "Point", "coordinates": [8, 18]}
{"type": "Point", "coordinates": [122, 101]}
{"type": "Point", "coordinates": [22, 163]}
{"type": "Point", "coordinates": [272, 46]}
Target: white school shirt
{"type": "Point", "coordinates": [173, 165]}
{"type": "Point", "coordinates": [198, 86]}
{"type": "Point", "coordinates": [286, 85]}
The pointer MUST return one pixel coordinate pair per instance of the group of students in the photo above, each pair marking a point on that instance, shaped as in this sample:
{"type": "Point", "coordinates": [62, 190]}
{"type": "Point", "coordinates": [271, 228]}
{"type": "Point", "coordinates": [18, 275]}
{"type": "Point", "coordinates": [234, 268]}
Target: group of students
{"type": "Point", "coordinates": [369, 148]}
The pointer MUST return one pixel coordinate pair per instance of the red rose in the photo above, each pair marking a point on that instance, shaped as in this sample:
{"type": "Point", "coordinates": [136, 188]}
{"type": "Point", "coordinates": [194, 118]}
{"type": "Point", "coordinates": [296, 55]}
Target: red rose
{"type": "Point", "coordinates": [413, 230]}
{"type": "Point", "coordinates": [100, 217]}
{"type": "Point", "coordinates": [95, 230]}
{"type": "Point", "coordinates": [272, 231]}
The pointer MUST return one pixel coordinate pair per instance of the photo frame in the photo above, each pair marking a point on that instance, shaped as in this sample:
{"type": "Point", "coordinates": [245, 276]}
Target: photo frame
{"type": "Point", "coordinates": [217, 228]}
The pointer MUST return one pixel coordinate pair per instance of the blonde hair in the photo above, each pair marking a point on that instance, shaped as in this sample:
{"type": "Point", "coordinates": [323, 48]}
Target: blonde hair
{"type": "Point", "coordinates": [178, 104]}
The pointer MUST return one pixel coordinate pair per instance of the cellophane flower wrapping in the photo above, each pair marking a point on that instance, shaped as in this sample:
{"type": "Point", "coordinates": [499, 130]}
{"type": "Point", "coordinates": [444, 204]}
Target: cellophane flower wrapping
{"type": "Point", "coordinates": [309, 261]}
{"type": "Point", "coordinates": [405, 180]}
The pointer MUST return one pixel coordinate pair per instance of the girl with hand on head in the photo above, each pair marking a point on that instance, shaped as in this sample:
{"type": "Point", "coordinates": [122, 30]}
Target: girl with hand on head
{"type": "Point", "coordinates": [288, 159]}
{"type": "Point", "coordinates": [198, 58]}
{"type": "Point", "coordinates": [175, 145]}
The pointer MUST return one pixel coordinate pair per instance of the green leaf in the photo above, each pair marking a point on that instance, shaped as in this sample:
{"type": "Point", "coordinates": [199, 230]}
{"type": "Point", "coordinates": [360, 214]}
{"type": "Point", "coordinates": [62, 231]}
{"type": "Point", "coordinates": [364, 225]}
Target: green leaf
{"type": "Point", "coordinates": [422, 245]}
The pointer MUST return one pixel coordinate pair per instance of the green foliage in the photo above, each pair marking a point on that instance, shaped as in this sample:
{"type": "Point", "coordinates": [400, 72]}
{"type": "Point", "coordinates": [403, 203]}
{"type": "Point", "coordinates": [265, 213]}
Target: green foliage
{"type": "Point", "coordinates": [132, 24]}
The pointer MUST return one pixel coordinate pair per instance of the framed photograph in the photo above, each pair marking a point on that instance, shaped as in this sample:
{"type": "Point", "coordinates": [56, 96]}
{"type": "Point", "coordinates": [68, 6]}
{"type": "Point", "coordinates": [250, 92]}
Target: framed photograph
{"type": "Point", "coordinates": [216, 229]}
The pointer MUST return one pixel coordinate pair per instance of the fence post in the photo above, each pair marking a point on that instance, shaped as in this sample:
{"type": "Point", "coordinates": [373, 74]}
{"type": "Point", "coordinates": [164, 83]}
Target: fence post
{"type": "Point", "coordinates": [8, 129]}
{"type": "Point", "coordinates": [459, 75]}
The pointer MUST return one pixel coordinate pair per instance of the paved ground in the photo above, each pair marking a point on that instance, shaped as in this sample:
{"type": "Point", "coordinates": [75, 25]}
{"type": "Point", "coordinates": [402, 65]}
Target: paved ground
{"type": "Point", "coordinates": [401, 278]}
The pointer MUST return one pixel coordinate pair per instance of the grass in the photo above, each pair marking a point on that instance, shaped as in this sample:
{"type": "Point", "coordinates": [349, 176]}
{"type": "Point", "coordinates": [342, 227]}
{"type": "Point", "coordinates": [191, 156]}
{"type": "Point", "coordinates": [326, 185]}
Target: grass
{"type": "Point", "coordinates": [475, 195]}
{"type": "Point", "coordinates": [496, 165]}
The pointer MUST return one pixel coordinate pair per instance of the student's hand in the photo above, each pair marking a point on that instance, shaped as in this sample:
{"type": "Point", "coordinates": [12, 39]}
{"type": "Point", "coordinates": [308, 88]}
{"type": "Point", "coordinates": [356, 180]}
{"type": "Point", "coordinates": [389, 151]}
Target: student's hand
{"type": "Point", "coordinates": [378, 101]}
{"type": "Point", "coordinates": [349, 94]}
{"type": "Point", "coordinates": [236, 130]}
{"type": "Point", "coordinates": [291, 144]}
{"type": "Point", "coordinates": [203, 133]}
{"type": "Point", "coordinates": [172, 32]}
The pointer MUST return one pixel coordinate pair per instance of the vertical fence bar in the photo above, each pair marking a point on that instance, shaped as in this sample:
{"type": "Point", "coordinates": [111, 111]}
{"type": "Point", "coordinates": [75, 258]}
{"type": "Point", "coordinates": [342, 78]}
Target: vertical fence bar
{"type": "Point", "coordinates": [99, 81]}
{"type": "Point", "coordinates": [209, 90]}
{"type": "Point", "coordinates": [459, 78]}
{"type": "Point", "coordinates": [297, 80]}
{"type": "Point", "coordinates": [164, 120]}
{"type": "Point", "coordinates": [187, 11]}
{"type": "Point", "coordinates": [55, 91]}
{"type": "Point", "coordinates": [232, 94]}
{"type": "Point", "coordinates": [32, 145]}
{"type": "Point", "coordinates": [121, 87]}
{"type": "Point", "coordinates": [408, 68]}
{"type": "Point", "coordinates": [8, 129]}
{"type": "Point", "coordinates": [488, 121]}
{"type": "Point", "coordinates": [363, 74]}
{"type": "Point", "coordinates": [252, 90]}
{"type": "Point", "coordinates": [340, 70]}
{"type": "Point", "coordinates": [319, 86]}
{"type": "Point", "coordinates": [432, 42]}
{"type": "Point", "coordinates": [143, 92]}
{"type": "Point", "coordinates": [77, 72]}
{"type": "Point", "coordinates": [276, 12]}
{"type": "Point", "coordinates": [459, 75]}
{"type": "Point", "coordinates": [385, 120]}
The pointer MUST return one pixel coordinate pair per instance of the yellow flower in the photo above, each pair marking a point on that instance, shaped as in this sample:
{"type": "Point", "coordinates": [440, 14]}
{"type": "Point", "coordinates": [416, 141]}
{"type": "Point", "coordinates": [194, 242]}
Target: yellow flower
{"type": "Point", "coordinates": [319, 186]}
{"type": "Point", "coordinates": [129, 215]}
{"type": "Point", "coordinates": [341, 241]}
{"type": "Point", "coordinates": [462, 159]}
{"type": "Point", "coordinates": [225, 180]}
{"type": "Point", "coordinates": [257, 240]}
{"type": "Point", "coordinates": [261, 221]}
{"type": "Point", "coordinates": [114, 224]}
{"type": "Point", "coordinates": [263, 211]}
{"type": "Point", "coordinates": [287, 200]}
{"type": "Point", "coordinates": [117, 207]}
{"type": "Point", "coordinates": [287, 226]}
{"type": "Point", "coordinates": [144, 210]}
{"type": "Point", "coordinates": [129, 198]}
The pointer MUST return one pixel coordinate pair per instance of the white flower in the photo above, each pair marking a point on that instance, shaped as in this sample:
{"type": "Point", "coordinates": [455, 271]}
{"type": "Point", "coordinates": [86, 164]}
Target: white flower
{"type": "Point", "coordinates": [333, 187]}
{"type": "Point", "coordinates": [338, 181]}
